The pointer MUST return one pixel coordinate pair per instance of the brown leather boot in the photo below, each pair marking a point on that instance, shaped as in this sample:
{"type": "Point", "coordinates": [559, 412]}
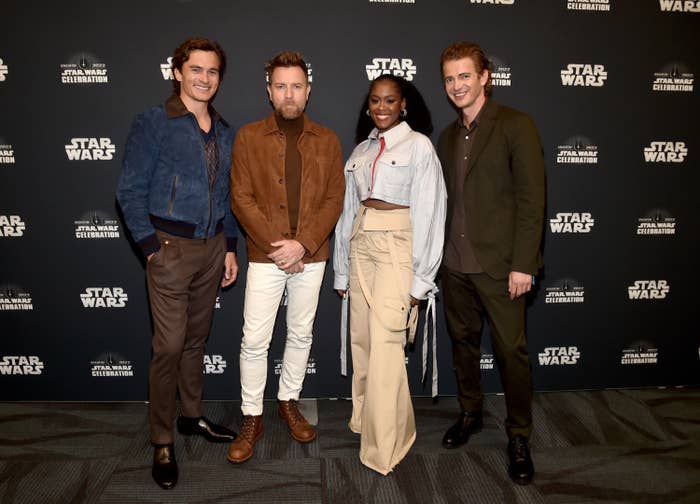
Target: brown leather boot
{"type": "Point", "coordinates": [299, 428]}
{"type": "Point", "coordinates": [242, 447]}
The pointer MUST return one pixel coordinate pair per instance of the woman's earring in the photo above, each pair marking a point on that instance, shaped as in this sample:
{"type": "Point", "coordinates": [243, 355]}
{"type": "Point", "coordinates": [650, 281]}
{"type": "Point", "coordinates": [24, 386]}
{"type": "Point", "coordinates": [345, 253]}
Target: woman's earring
{"type": "Point", "coordinates": [403, 112]}
{"type": "Point", "coordinates": [367, 112]}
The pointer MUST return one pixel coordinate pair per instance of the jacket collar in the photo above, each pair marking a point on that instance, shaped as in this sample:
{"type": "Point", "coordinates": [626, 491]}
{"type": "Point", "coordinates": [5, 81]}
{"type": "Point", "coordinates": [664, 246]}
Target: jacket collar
{"type": "Point", "coordinates": [175, 108]}
{"type": "Point", "coordinates": [392, 136]}
{"type": "Point", "coordinates": [270, 126]}
{"type": "Point", "coordinates": [488, 111]}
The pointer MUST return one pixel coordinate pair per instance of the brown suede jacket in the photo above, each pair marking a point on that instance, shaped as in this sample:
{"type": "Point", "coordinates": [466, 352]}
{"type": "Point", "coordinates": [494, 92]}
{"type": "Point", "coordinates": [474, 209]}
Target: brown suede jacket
{"type": "Point", "coordinates": [259, 195]}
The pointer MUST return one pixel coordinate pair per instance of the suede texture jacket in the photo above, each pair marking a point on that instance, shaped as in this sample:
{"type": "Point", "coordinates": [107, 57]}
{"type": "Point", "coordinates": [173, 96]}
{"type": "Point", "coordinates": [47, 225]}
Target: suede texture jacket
{"type": "Point", "coordinates": [164, 183]}
{"type": "Point", "coordinates": [259, 194]}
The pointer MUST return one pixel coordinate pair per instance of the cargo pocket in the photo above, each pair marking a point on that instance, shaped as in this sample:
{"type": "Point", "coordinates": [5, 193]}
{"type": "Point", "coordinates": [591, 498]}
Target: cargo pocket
{"type": "Point", "coordinates": [394, 315]}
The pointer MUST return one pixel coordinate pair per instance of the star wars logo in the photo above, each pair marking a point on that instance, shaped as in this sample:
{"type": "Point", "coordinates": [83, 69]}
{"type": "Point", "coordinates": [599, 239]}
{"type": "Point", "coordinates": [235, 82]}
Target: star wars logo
{"type": "Point", "coordinates": [3, 70]}
{"type": "Point", "coordinates": [393, 1]}
{"type": "Point", "coordinates": [665, 152]}
{"type": "Point", "coordinates": [401, 67]}
{"type": "Point", "coordinates": [486, 361]}
{"type": "Point", "coordinates": [572, 222]}
{"type": "Point", "coordinates": [674, 77]}
{"type": "Point", "coordinates": [657, 222]}
{"type": "Point", "coordinates": [90, 149]}
{"type": "Point", "coordinates": [648, 289]}
{"type": "Point", "coordinates": [310, 366]}
{"type": "Point", "coordinates": [583, 74]}
{"type": "Point", "coordinates": [214, 364]}
{"type": "Point", "coordinates": [104, 297]}
{"type": "Point", "coordinates": [679, 5]}
{"type": "Point", "coordinates": [111, 366]}
{"type": "Point", "coordinates": [500, 73]}
{"type": "Point", "coordinates": [7, 154]}
{"type": "Point", "coordinates": [96, 226]}
{"type": "Point", "coordinates": [493, 2]}
{"type": "Point", "coordinates": [640, 353]}
{"type": "Point", "coordinates": [559, 356]}
{"type": "Point", "coordinates": [84, 69]}
{"type": "Point", "coordinates": [15, 299]}
{"type": "Point", "coordinates": [21, 365]}
{"type": "Point", "coordinates": [565, 291]}
{"type": "Point", "coordinates": [166, 69]}
{"type": "Point", "coordinates": [577, 150]}
{"type": "Point", "coordinates": [589, 5]}
{"type": "Point", "coordinates": [11, 226]}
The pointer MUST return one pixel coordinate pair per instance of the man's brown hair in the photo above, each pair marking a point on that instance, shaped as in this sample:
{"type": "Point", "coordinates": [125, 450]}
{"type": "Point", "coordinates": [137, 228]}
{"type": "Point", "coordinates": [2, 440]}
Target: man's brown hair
{"type": "Point", "coordinates": [460, 50]}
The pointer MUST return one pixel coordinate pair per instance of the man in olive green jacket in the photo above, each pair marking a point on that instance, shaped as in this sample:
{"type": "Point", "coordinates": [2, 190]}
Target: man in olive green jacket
{"type": "Point", "coordinates": [494, 171]}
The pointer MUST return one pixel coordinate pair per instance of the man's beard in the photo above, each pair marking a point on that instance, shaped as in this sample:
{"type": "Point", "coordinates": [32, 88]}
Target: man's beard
{"type": "Point", "coordinates": [289, 111]}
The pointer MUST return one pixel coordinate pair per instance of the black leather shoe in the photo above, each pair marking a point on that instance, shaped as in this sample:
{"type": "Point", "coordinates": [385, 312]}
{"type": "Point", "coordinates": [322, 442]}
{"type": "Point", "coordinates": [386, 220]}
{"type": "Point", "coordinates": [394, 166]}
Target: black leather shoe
{"type": "Point", "coordinates": [520, 468]}
{"type": "Point", "coordinates": [467, 424]}
{"type": "Point", "coordinates": [204, 427]}
{"type": "Point", "coordinates": [164, 466]}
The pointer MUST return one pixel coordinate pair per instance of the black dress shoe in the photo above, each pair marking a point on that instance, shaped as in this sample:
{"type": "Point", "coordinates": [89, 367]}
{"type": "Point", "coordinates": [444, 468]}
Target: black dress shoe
{"type": "Point", "coordinates": [520, 468]}
{"type": "Point", "coordinates": [204, 427]}
{"type": "Point", "coordinates": [164, 466]}
{"type": "Point", "coordinates": [467, 424]}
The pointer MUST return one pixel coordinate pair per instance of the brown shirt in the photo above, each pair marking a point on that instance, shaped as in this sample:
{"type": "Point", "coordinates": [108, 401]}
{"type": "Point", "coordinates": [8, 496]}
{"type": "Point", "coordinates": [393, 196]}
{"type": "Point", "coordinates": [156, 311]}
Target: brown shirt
{"type": "Point", "coordinates": [292, 166]}
{"type": "Point", "coordinates": [459, 254]}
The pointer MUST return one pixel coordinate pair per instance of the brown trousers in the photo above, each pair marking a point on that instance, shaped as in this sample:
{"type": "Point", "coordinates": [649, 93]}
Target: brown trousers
{"type": "Point", "coordinates": [183, 277]}
{"type": "Point", "coordinates": [468, 297]}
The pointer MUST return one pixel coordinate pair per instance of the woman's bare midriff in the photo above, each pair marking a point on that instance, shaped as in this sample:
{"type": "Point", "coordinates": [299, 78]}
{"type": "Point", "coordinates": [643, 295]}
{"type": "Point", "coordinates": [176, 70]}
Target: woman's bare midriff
{"type": "Point", "coordinates": [381, 205]}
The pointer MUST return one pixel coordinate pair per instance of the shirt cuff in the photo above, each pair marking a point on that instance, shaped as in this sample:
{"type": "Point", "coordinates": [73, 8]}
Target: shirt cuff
{"type": "Point", "coordinates": [340, 282]}
{"type": "Point", "coordinates": [420, 288]}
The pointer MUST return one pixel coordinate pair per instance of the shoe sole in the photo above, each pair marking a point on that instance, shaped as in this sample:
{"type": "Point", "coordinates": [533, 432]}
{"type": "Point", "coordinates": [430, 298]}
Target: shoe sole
{"type": "Point", "coordinates": [252, 452]}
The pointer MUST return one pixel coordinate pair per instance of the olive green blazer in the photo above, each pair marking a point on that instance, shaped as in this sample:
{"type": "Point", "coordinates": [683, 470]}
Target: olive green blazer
{"type": "Point", "coordinates": [503, 192]}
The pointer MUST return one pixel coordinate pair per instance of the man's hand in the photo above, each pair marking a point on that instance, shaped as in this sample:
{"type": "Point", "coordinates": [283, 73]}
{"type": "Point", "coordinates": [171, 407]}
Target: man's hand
{"type": "Point", "coordinates": [230, 269]}
{"type": "Point", "coordinates": [289, 253]}
{"type": "Point", "coordinates": [518, 284]}
{"type": "Point", "coordinates": [341, 292]}
{"type": "Point", "coordinates": [295, 268]}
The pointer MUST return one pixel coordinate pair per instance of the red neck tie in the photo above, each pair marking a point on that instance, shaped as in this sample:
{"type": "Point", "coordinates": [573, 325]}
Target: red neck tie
{"type": "Point", "coordinates": [382, 144]}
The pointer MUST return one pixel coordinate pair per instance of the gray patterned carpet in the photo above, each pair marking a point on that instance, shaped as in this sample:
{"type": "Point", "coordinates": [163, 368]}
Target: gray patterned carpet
{"type": "Point", "coordinates": [603, 446]}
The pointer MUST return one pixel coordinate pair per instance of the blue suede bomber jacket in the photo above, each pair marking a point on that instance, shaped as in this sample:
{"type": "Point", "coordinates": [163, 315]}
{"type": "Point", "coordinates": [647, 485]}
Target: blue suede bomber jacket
{"type": "Point", "coordinates": [164, 183]}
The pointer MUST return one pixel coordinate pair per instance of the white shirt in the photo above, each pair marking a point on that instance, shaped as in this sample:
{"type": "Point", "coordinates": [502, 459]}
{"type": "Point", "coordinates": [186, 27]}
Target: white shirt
{"type": "Point", "coordinates": [407, 173]}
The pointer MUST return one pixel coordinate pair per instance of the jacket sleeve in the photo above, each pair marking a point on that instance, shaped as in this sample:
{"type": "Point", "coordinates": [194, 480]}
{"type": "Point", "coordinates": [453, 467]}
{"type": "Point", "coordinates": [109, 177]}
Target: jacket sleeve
{"type": "Point", "coordinates": [428, 207]}
{"type": "Point", "coordinates": [244, 204]}
{"type": "Point", "coordinates": [529, 188]}
{"type": "Point", "coordinates": [230, 230]}
{"type": "Point", "coordinates": [230, 224]}
{"type": "Point", "coordinates": [343, 230]}
{"type": "Point", "coordinates": [319, 227]}
{"type": "Point", "coordinates": [140, 157]}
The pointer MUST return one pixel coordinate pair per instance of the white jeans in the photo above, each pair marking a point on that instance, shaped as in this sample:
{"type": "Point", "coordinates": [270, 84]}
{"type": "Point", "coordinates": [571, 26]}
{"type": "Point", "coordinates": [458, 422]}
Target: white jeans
{"type": "Point", "coordinates": [264, 288]}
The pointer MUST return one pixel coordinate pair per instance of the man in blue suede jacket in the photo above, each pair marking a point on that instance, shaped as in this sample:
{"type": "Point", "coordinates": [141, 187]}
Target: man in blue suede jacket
{"type": "Point", "coordinates": [174, 194]}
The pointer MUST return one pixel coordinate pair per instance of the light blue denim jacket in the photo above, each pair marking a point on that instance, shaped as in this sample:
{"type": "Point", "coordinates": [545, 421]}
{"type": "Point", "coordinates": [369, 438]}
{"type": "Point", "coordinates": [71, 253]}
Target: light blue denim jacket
{"type": "Point", "coordinates": [407, 173]}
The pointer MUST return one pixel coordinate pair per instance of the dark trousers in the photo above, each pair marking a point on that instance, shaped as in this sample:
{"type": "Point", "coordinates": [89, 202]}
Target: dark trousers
{"type": "Point", "coordinates": [468, 298]}
{"type": "Point", "coordinates": [182, 284]}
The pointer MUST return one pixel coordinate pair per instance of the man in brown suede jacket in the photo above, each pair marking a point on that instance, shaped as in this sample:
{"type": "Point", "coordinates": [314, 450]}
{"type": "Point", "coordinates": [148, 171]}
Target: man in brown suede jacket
{"type": "Point", "coordinates": [287, 192]}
